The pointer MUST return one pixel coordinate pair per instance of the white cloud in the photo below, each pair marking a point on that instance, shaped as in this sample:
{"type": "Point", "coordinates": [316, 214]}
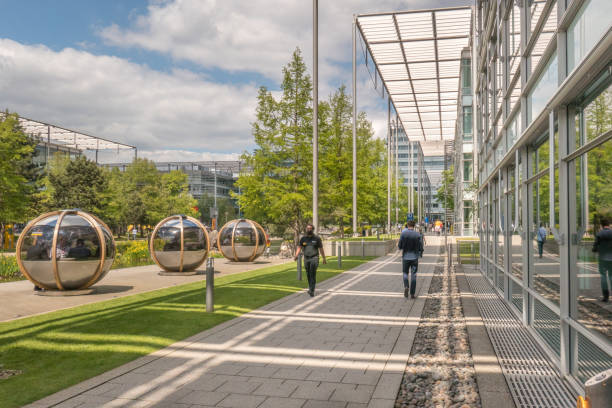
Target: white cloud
{"type": "Point", "coordinates": [176, 115]}
{"type": "Point", "coordinates": [253, 36]}
{"type": "Point", "coordinates": [112, 98]}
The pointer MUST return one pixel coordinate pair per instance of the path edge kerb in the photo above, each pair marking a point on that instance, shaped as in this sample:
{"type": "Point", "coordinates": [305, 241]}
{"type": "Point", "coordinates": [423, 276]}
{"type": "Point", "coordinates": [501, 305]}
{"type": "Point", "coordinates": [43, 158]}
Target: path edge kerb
{"type": "Point", "coordinates": [86, 385]}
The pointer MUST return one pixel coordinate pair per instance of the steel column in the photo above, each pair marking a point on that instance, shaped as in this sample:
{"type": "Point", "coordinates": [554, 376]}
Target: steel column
{"type": "Point", "coordinates": [389, 165]}
{"type": "Point", "coordinates": [354, 125]}
{"type": "Point", "coordinates": [315, 114]}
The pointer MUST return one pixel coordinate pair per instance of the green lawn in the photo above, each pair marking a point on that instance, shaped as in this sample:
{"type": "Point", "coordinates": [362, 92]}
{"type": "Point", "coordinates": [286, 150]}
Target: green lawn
{"type": "Point", "coordinates": [371, 238]}
{"type": "Point", "coordinates": [464, 247]}
{"type": "Point", "coordinates": [59, 349]}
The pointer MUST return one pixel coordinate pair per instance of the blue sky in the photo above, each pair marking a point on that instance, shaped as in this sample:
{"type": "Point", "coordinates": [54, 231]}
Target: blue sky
{"type": "Point", "coordinates": [177, 78]}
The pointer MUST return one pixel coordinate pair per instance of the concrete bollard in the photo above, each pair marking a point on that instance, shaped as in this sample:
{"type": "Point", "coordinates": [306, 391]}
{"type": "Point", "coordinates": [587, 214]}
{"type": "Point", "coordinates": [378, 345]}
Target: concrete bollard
{"type": "Point", "coordinates": [210, 285]}
{"type": "Point", "coordinates": [299, 267]}
{"type": "Point", "coordinates": [339, 253]}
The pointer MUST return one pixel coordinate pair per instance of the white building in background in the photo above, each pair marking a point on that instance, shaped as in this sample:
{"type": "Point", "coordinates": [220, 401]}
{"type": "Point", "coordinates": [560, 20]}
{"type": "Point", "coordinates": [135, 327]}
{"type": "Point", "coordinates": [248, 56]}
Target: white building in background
{"type": "Point", "coordinates": [465, 214]}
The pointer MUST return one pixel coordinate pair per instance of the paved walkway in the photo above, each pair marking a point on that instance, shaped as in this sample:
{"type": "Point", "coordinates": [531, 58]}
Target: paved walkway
{"type": "Point", "coordinates": [346, 347]}
{"type": "Point", "coordinates": [18, 299]}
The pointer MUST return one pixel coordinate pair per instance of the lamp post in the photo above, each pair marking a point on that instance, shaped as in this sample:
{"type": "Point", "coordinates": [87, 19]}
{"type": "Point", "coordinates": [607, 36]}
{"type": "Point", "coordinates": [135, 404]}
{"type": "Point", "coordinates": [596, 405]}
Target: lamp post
{"type": "Point", "coordinates": [354, 125]}
{"type": "Point", "coordinates": [315, 114]}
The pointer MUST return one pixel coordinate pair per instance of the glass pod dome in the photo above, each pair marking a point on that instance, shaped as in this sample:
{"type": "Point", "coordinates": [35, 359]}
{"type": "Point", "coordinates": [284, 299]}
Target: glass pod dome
{"type": "Point", "coordinates": [179, 244]}
{"type": "Point", "coordinates": [65, 250]}
{"type": "Point", "coordinates": [241, 240]}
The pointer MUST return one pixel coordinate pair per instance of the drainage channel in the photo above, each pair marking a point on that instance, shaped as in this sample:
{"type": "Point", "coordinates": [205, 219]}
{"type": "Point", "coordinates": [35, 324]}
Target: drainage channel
{"type": "Point", "coordinates": [440, 371]}
{"type": "Point", "coordinates": [533, 382]}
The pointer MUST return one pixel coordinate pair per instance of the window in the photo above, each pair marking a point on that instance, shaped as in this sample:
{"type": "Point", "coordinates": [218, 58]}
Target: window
{"type": "Point", "coordinates": [544, 88]}
{"type": "Point", "coordinates": [468, 175]}
{"type": "Point", "coordinates": [466, 76]}
{"type": "Point", "coordinates": [467, 123]}
{"type": "Point", "coordinates": [544, 258]}
{"type": "Point", "coordinates": [590, 270]}
{"type": "Point", "coordinates": [591, 22]}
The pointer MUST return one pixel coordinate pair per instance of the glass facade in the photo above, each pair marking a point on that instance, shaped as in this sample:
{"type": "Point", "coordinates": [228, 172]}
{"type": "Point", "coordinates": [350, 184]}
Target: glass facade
{"type": "Point", "coordinates": [589, 25]}
{"type": "Point", "coordinates": [544, 163]}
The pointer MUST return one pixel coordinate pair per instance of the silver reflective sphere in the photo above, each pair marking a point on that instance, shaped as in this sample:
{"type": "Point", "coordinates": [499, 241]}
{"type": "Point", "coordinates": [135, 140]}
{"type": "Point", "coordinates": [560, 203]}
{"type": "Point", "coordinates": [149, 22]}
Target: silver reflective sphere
{"type": "Point", "coordinates": [62, 250]}
{"type": "Point", "coordinates": [179, 244]}
{"type": "Point", "coordinates": [241, 240]}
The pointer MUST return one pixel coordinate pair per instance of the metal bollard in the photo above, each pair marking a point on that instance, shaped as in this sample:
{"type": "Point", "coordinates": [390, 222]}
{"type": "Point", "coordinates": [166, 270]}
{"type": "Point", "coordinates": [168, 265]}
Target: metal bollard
{"type": "Point", "coordinates": [339, 251]}
{"type": "Point", "coordinates": [299, 267]}
{"type": "Point", "coordinates": [598, 390]}
{"type": "Point", "coordinates": [210, 285]}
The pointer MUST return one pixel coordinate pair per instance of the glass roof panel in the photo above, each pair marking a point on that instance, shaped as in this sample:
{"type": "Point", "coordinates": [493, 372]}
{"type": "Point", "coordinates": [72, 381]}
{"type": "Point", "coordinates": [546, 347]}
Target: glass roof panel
{"type": "Point", "coordinates": [429, 43]}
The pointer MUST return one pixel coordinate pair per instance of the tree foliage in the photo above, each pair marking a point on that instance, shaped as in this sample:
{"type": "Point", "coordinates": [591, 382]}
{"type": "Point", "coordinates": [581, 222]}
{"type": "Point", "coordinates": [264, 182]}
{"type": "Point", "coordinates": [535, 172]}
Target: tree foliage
{"type": "Point", "coordinates": [78, 183]}
{"type": "Point", "coordinates": [17, 171]}
{"type": "Point", "coordinates": [225, 206]}
{"type": "Point", "coordinates": [445, 194]}
{"type": "Point", "coordinates": [277, 189]}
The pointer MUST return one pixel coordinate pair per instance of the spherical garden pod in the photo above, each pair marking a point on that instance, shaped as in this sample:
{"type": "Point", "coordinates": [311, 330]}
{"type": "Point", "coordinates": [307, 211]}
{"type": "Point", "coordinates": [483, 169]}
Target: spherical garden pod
{"type": "Point", "coordinates": [179, 244]}
{"type": "Point", "coordinates": [241, 240]}
{"type": "Point", "coordinates": [65, 250]}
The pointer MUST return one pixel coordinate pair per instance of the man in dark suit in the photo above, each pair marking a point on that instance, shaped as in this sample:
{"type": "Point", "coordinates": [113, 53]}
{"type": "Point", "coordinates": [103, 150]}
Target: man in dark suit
{"type": "Point", "coordinates": [603, 245]}
{"type": "Point", "coordinates": [411, 244]}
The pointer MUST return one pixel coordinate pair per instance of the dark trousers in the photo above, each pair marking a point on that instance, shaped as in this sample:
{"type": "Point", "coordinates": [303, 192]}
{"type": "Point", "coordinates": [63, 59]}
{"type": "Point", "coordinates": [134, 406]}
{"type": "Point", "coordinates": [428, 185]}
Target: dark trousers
{"type": "Point", "coordinates": [605, 271]}
{"type": "Point", "coordinates": [410, 266]}
{"type": "Point", "coordinates": [311, 265]}
{"type": "Point", "coordinates": [540, 248]}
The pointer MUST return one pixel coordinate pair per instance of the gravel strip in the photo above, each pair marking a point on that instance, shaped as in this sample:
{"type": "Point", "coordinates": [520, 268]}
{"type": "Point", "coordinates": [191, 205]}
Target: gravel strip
{"type": "Point", "coordinates": [440, 370]}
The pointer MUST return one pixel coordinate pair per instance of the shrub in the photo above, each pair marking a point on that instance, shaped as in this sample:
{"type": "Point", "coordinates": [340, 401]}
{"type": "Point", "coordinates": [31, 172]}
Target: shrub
{"type": "Point", "coordinates": [132, 253]}
{"type": "Point", "coordinates": [9, 270]}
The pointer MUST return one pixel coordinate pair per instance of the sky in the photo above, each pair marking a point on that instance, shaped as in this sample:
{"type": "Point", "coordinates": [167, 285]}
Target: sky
{"type": "Point", "coordinates": [178, 79]}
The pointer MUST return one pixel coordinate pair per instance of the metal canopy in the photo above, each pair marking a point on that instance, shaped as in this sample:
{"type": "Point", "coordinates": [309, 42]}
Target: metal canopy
{"type": "Point", "coordinates": [71, 139]}
{"type": "Point", "coordinates": [418, 56]}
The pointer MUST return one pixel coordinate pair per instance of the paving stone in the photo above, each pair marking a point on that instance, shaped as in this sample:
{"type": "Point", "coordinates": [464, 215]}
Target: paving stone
{"type": "Point", "coordinates": [292, 373]}
{"type": "Point", "coordinates": [203, 397]}
{"type": "Point", "coordinates": [362, 393]}
{"type": "Point", "coordinates": [241, 401]}
{"type": "Point", "coordinates": [275, 388]}
{"type": "Point", "coordinates": [324, 404]}
{"type": "Point", "coordinates": [276, 402]}
{"type": "Point", "coordinates": [369, 378]}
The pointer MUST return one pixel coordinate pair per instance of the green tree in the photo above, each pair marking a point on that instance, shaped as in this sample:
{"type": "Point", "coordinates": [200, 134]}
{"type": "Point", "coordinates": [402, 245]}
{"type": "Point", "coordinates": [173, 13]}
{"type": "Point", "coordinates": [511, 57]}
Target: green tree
{"type": "Point", "coordinates": [176, 196]}
{"type": "Point", "coordinates": [599, 160]}
{"type": "Point", "coordinates": [80, 184]}
{"type": "Point", "coordinates": [16, 187]}
{"type": "Point", "coordinates": [225, 206]}
{"type": "Point", "coordinates": [445, 194]}
{"type": "Point", "coordinates": [141, 195]}
{"type": "Point", "coordinates": [278, 188]}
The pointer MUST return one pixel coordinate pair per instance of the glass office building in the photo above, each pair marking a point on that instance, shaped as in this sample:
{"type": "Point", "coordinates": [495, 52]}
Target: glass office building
{"type": "Point", "coordinates": [543, 121]}
{"type": "Point", "coordinates": [463, 161]}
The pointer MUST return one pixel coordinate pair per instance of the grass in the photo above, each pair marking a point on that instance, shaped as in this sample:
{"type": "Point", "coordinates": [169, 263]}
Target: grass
{"type": "Point", "coordinates": [371, 238]}
{"type": "Point", "coordinates": [464, 248]}
{"type": "Point", "coordinates": [62, 348]}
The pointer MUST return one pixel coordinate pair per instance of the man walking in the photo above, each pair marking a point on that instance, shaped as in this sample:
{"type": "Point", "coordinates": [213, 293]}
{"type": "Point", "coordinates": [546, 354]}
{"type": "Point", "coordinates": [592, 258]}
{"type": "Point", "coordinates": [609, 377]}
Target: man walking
{"type": "Point", "coordinates": [411, 244]}
{"type": "Point", "coordinates": [603, 245]}
{"type": "Point", "coordinates": [541, 237]}
{"type": "Point", "coordinates": [311, 245]}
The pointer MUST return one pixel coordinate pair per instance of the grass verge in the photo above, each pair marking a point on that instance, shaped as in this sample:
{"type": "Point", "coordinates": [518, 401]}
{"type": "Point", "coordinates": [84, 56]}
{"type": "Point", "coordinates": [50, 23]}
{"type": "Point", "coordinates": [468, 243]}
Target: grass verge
{"type": "Point", "coordinates": [59, 349]}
